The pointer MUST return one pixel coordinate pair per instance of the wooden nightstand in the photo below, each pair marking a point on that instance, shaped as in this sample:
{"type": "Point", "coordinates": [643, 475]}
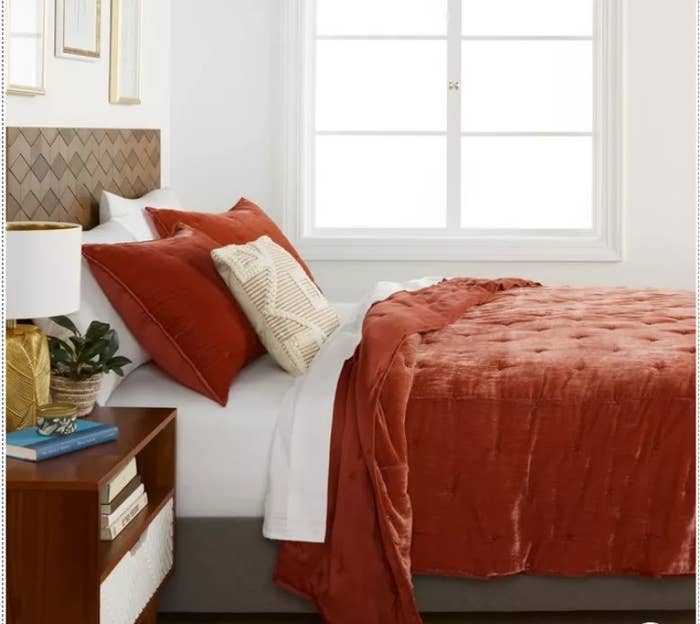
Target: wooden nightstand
{"type": "Point", "coordinates": [58, 570]}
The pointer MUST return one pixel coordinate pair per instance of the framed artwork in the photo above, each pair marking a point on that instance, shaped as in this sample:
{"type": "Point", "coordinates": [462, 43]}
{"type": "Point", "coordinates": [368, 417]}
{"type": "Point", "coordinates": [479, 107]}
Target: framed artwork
{"type": "Point", "coordinates": [78, 29]}
{"type": "Point", "coordinates": [26, 44]}
{"type": "Point", "coordinates": [125, 61]}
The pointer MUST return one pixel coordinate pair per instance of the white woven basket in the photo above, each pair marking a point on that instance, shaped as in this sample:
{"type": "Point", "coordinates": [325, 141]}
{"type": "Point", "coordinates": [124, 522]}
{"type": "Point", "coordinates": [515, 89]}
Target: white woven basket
{"type": "Point", "coordinates": [82, 394]}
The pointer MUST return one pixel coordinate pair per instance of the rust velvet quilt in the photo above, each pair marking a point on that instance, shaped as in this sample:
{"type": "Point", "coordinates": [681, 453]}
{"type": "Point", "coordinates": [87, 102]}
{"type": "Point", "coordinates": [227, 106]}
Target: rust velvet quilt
{"type": "Point", "coordinates": [485, 428]}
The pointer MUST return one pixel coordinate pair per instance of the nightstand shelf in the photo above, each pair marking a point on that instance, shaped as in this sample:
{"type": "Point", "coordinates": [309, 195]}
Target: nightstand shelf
{"type": "Point", "coordinates": [58, 569]}
{"type": "Point", "coordinates": [110, 553]}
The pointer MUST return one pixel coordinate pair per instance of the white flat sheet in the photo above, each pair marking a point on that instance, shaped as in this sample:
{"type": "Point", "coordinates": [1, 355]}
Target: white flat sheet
{"type": "Point", "coordinates": [296, 502]}
{"type": "Point", "coordinates": [222, 452]}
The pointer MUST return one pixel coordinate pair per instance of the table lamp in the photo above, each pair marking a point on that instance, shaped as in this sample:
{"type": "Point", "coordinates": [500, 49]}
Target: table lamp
{"type": "Point", "coordinates": [42, 280]}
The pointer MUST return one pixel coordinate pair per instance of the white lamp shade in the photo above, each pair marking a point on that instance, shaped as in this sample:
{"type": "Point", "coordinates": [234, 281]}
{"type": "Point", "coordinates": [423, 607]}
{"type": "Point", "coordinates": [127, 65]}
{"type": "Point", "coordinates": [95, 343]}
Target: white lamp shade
{"type": "Point", "coordinates": [43, 269]}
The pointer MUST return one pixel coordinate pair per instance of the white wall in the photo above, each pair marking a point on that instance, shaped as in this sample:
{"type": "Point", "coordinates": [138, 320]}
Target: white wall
{"type": "Point", "coordinates": [225, 102]}
{"type": "Point", "coordinates": [225, 142]}
{"type": "Point", "coordinates": [77, 92]}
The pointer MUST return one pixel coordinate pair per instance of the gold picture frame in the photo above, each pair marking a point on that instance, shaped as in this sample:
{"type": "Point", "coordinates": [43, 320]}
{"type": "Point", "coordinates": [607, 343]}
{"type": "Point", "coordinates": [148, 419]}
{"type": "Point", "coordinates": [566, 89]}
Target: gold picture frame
{"type": "Point", "coordinates": [125, 52]}
{"type": "Point", "coordinates": [19, 63]}
{"type": "Point", "coordinates": [79, 29]}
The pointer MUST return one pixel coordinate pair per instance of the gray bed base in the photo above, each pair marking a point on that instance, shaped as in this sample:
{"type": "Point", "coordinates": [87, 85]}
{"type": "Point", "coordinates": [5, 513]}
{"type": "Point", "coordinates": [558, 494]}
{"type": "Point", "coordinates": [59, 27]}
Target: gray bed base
{"type": "Point", "coordinates": [224, 565]}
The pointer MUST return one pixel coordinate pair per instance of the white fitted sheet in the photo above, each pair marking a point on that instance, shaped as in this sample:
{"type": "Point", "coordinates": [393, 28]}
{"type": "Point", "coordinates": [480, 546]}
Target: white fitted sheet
{"type": "Point", "coordinates": [222, 452]}
{"type": "Point", "coordinates": [296, 502]}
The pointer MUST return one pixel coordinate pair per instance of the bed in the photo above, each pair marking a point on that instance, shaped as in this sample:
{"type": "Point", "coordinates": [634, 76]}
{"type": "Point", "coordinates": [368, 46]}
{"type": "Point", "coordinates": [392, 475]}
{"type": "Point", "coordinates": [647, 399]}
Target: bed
{"type": "Point", "coordinates": [223, 452]}
{"type": "Point", "coordinates": [222, 481]}
{"type": "Point", "coordinates": [490, 428]}
{"type": "Point", "coordinates": [224, 565]}
{"type": "Point", "coordinates": [223, 562]}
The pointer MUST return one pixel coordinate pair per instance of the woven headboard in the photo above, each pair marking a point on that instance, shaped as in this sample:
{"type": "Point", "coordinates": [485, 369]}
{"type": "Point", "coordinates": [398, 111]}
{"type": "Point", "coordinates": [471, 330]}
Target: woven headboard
{"type": "Point", "coordinates": [58, 174]}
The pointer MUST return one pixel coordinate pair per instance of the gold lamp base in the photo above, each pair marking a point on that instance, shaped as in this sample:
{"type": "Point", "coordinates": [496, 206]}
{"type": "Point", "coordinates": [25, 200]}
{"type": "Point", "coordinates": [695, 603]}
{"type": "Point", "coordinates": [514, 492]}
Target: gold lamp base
{"type": "Point", "coordinates": [28, 374]}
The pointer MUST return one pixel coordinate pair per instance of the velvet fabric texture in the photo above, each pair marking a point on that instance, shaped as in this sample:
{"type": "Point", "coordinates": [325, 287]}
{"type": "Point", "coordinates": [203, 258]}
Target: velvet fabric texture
{"type": "Point", "coordinates": [245, 222]}
{"type": "Point", "coordinates": [172, 299]}
{"type": "Point", "coordinates": [489, 428]}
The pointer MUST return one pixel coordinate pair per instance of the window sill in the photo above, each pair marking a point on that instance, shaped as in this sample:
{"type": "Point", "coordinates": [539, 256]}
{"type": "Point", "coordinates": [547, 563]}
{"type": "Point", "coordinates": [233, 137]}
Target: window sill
{"type": "Point", "coordinates": [481, 249]}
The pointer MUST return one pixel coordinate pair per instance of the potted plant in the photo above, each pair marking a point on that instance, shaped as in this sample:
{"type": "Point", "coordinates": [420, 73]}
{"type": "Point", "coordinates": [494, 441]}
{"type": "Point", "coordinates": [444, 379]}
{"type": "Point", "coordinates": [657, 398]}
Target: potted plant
{"type": "Point", "coordinates": [78, 363]}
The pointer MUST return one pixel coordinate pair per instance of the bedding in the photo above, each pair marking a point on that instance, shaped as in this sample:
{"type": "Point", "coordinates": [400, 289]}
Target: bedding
{"type": "Point", "coordinates": [245, 222]}
{"type": "Point", "coordinates": [296, 501]}
{"type": "Point", "coordinates": [290, 315]}
{"type": "Point", "coordinates": [131, 213]}
{"type": "Point", "coordinates": [222, 452]}
{"type": "Point", "coordinates": [174, 302]}
{"type": "Point", "coordinates": [94, 305]}
{"type": "Point", "coordinates": [487, 428]}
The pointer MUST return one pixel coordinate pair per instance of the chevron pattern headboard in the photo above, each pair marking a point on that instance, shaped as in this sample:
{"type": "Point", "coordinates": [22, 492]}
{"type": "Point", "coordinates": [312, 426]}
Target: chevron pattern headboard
{"type": "Point", "coordinates": [58, 174]}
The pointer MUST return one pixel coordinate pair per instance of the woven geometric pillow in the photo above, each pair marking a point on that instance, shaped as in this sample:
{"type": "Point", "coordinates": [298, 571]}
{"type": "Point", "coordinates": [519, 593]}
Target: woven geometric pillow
{"type": "Point", "coordinates": [290, 315]}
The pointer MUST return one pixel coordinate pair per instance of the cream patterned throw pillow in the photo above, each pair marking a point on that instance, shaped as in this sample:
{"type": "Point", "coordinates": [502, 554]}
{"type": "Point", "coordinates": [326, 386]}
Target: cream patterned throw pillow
{"type": "Point", "coordinates": [289, 313]}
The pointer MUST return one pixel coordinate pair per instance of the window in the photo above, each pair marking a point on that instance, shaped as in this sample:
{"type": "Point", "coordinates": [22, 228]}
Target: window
{"type": "Point", "coordinates": [453, 129]}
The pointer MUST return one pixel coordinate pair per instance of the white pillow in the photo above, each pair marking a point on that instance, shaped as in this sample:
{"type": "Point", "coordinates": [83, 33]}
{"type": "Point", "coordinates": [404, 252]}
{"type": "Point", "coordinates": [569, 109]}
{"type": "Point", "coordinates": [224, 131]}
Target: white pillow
{"type": "Point", "coordinates": [290, 315]}
{"type": "Point", "coordinates": [131, 213]}
{"type": "Point", "coordinates": [94, 305]}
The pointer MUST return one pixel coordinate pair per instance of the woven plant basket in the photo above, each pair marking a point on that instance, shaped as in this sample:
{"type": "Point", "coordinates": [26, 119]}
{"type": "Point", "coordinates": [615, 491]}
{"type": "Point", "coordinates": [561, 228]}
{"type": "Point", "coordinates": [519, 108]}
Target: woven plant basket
{"type": "Point", "coordinates": [82, 394]}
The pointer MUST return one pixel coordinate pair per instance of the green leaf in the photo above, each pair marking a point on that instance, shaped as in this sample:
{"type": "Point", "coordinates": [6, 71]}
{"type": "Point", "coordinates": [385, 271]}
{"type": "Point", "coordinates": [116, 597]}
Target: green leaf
{"type": "Point", "coordinates": [62, 357]}
{"type": "Point", "coordinates": [57, 343]}
{"type": "Point", "coordinates": [96, 330]}
{"type": "Point", "coordinates": [82, 356]}
{"type": "Point", "coordinates": [66, 323]}
{"type": "Point", "coordinates": [59, 356]}
{"type": "Point", "coordinates": [92, 350]}
{"type": "Point", "coordinates": [78, 345]}
{"type": "Point", "coordinates": [112, 346]}
{"type": "Point", "coordinates": [60, 353]}
{"type": "Point", "coordinates": [78, 341]}
{"type": "Point", "coordinates": [117, 362]}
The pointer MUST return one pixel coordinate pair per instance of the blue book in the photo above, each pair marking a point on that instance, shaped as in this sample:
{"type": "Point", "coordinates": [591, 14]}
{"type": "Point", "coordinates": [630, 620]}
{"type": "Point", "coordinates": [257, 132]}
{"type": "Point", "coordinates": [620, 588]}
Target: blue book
{"type": "Point", "coordinates": [29, 445]}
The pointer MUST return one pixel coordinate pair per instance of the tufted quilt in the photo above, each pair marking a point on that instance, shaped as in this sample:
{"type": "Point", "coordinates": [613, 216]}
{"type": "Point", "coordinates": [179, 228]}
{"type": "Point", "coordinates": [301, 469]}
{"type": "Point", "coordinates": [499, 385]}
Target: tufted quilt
{"type": "Point", "coordinates": [487, 428]}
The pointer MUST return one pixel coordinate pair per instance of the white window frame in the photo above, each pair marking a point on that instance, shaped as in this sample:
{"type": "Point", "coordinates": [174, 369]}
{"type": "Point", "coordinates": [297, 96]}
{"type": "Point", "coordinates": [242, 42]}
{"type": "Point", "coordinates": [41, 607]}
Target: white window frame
{"type": "Point", "coordinates": [603, 243]}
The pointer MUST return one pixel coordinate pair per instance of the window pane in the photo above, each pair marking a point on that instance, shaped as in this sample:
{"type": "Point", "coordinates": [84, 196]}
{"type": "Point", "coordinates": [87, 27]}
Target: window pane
{"type": "Point", "coordinates": [381, 17]}
{"type": "Point", "coordinates": [381, 85]}
{"type": "Point", "coordinates": [380, 181]}
{"type": "Point", "coordinates": [527, 86]}
{"type": "Point", "coordinates": [527, 182]}
{"type": "Point", "coordinates": [527, 17]}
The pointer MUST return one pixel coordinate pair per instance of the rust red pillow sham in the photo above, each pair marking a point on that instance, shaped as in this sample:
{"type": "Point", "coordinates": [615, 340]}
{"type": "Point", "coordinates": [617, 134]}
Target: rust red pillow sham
{"type": "Point", "coordinates": [245, 222]}
{"type": "Point", "coordinates": [172, 299]}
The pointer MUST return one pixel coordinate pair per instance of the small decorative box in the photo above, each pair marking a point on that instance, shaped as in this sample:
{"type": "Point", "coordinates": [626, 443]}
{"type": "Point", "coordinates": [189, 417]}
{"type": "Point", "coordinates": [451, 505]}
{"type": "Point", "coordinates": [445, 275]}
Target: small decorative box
{"type": "Point", "coordinates": [56, 419]}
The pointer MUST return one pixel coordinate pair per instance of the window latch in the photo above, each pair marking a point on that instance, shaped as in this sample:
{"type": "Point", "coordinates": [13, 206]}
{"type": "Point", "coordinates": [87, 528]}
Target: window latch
{"type": "Point", "coordinates": [453, 85]}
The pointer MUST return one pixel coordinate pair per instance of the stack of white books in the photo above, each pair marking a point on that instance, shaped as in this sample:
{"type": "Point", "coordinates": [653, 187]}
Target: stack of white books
{"type": "Point", "coordinates": [121, 500]}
